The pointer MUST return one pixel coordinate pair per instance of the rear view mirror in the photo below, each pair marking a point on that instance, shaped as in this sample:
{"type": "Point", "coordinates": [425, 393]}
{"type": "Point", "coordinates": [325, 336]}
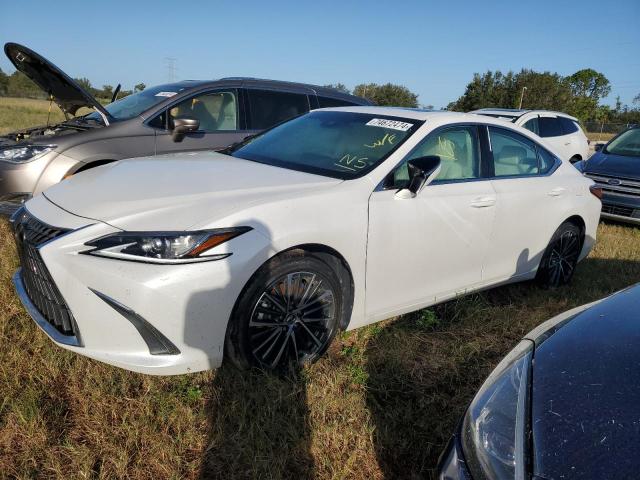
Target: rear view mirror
{"type": "Point", "coordinates": [182, 126]}
{"type": "Point", "coordinates": [422, 171]}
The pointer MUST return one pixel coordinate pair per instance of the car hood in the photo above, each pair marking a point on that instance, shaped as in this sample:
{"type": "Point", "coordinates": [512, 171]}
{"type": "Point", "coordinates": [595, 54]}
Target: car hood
{"type": "Point", "coordinates": [613, 165]}
{"type": "Point", "coordinates": [585, 402]}
{"type": "Point", "coordinates": [177, 191]}
{"type": "Point", "coordinates": [65, 91]}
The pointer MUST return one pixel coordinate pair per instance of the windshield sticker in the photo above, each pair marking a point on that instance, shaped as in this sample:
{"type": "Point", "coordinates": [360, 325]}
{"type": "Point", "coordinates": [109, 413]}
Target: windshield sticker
{"type": "Point", "coordinates": [388, 138]}
{"type": "Point", "coordinates": [165, 94]}
{"type": "Point", "coordinates": [393, 124]}
{"type": "Point", "coordinates": [352, 163]}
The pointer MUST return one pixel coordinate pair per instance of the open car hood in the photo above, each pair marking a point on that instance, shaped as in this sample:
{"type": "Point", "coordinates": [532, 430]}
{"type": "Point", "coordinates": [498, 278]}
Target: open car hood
{"type": "Point", "coordinates": [65, 91]}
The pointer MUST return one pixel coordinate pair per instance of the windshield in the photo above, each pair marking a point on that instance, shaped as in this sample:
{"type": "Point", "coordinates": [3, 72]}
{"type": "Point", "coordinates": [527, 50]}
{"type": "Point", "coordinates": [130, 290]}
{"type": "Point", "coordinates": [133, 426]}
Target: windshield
{"type": "Point", "coordinates": [627, 144]}
{"type": "Point", "coordinates": [332, 143]}
{"type": "Point", "coordinates": [134, 104]}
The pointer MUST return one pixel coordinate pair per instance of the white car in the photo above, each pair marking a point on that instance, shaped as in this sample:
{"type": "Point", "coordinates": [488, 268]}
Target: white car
{"type": "Point", "coordinates": [561, 131]}
{"type": "Point", "coordinates": [334, 220]}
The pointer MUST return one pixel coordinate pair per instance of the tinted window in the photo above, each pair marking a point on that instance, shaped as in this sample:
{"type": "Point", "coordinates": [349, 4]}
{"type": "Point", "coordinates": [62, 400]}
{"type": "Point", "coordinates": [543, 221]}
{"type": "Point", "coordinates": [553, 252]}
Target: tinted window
{"type": "Point", "coordinates": [217, 111]}
{"type": "Point", "coordinates": [458, 149]}
{"type": "Point", "coordinates": [269, 108]}
{"type": "Point", "coordinates": [135, 104]}
{"type": "Point", "coordinates": [549, 127]}
{"type": "Point", "coordinates": [337, 144]}
{"type": "Point", "coordinates": [547, 161]}
{"type": "Point", "coordinates": [627, 144]}
{"type": "Point", "coordinates": [513, 154]}
{"type": "Point", "coordinates": [326, 102]}
{"type": "Point", "coordinates": [568, 125]}
{"type": "Point", "coordinates": [532, 125]}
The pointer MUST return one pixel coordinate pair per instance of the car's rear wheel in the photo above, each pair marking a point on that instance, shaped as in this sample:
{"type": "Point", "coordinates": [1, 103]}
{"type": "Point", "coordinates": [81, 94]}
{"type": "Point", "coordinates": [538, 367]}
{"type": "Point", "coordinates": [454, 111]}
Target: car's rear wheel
{"type": "Point", "coordinates": [287, 315]}
{"type": "Point", "coordinates": [560, 258]}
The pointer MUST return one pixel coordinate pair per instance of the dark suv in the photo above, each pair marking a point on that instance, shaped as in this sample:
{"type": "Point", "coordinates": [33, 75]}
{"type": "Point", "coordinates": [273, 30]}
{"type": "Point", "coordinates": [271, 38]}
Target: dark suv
{"type": "Point", "coordinates": [181, 116]}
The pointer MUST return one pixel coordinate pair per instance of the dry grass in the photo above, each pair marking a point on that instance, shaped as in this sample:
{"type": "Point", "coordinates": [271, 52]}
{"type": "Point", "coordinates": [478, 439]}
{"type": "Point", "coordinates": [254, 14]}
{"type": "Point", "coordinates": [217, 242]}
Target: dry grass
{"type": "Point", "coordinates": [19, 113]}
{"type": "Point", "coordinates": [600, 137]}
{"type": "Point", "coordinates": [380, 405]}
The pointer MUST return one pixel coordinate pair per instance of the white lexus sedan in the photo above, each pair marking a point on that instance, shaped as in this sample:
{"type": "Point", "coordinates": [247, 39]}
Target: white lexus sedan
{"type": "Point", "coordinates": [333, 220]}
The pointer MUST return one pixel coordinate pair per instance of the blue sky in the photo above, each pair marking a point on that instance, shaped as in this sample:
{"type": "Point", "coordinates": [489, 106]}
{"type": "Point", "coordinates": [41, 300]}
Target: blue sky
{"type": "Point", "coordinates": [432, 47]}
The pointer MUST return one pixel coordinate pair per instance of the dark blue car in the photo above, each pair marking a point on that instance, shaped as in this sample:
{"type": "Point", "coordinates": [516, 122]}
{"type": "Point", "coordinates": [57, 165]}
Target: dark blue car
{"type": "Point", "coordinates": [616, 168]}
{"type": "Point", "coordinates": [564, 404]}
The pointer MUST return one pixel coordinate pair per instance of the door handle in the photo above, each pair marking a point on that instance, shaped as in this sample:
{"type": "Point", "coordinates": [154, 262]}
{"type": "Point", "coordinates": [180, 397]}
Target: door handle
{"type": "Point", "coordinates": [556, 192]}
{"type": "Point", "coordinates": [481, 202]}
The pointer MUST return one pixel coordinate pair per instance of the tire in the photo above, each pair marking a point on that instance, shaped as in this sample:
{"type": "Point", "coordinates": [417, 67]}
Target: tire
{"type": "Point", "coordinates": [287, 315]}
{"type": "Point", "coordinates": [560, 258]}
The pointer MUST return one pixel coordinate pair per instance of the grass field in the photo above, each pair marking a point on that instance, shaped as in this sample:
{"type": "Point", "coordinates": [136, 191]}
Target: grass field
{"type": "Point", "coordinates": [381, 404]}
{"type": "Point", "coordinates": [19, 113]}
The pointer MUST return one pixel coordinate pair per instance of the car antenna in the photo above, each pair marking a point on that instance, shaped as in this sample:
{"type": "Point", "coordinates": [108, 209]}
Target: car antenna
{"type": "Point", "coordinates": [114, 97]}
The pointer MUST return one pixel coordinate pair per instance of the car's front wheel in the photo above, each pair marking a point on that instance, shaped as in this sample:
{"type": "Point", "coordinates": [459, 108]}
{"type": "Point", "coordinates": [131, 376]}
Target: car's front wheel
{"type": "Point", "coordinates": [561, 256]}
{"type": "Point", "coordinates": [287, 315]}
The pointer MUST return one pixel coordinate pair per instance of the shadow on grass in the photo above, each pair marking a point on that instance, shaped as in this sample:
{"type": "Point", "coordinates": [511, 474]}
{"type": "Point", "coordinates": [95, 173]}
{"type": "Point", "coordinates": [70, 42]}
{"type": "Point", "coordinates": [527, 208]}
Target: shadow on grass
{"type": "Point", "coordinates": [425, 368]}
{"type": "Point", "coordinates": [258, 426]}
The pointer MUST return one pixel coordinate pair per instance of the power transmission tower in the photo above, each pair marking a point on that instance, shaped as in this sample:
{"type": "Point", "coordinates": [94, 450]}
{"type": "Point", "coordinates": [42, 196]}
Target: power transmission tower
{"type": "Point", "coordinates": [170, 63]}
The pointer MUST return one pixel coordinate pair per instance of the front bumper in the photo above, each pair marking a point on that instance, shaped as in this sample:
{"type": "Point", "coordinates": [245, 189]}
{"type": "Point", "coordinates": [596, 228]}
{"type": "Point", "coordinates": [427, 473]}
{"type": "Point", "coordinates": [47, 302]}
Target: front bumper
{"type": "Point", "coordinates": [622, 208]}
{"type": "Point", "coordinates": [124, 310]}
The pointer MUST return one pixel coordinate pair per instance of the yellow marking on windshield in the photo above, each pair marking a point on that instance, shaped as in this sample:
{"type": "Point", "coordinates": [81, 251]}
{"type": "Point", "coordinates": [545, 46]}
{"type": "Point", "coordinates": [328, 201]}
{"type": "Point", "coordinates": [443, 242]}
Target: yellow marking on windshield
{"type": "Point", "coordinates": [352, 162]}
{"type": "Point", "coordinates": [388, 138]}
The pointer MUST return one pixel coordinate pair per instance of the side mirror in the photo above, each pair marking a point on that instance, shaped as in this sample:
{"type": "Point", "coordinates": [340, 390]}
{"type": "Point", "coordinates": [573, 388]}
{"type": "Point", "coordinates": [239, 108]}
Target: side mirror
{"type": "Point", "coordinates": [422, 171]}
{"type": "Point", "coordinates": [182, 126]}
{"type": "Point", "coordinates": [598, 146]}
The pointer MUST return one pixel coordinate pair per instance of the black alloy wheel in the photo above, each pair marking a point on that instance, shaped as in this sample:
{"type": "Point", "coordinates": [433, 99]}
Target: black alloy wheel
{"type": "Point", "coordinates": [287, 316]}
{"type": "Point", "coordinates": [561, 256]}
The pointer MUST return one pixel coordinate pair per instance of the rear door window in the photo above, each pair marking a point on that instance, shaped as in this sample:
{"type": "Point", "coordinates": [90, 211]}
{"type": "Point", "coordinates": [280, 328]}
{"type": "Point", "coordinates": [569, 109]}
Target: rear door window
{"type": "Point", "coordinates": [269, 107]}
{"type": "Point", "coordinates": [550, 127]}
{"type": "Point", "coordinates": [547, 160]}
{"type": "Point", "coordinates": [568, 126]}
{"type": "Point", "coordinates": [532, 125]}
{"type": "Point", "coordinates": [513, 154]}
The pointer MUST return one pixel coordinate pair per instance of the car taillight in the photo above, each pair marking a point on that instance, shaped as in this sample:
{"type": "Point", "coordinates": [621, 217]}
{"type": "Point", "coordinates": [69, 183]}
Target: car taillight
{"type": "Point", "coordinates": [596, 191]}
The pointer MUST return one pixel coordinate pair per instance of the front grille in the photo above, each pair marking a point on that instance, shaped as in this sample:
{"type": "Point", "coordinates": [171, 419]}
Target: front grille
{"type": "Point", "coordinates": [30, 233]}
{"type": "Point", "coordinates": [617, 210]}
{"type": "Point", "coordinates": [616, 185]}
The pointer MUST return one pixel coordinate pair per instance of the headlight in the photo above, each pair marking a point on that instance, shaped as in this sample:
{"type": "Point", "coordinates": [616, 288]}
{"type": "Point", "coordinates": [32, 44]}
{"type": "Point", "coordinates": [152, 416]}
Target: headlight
{"type": "Point", "coordinates": [495, 428]}
{"type": "Point", "coordinates": [25, 153]}
{"type": "Point", "coordinates": [164, 247]}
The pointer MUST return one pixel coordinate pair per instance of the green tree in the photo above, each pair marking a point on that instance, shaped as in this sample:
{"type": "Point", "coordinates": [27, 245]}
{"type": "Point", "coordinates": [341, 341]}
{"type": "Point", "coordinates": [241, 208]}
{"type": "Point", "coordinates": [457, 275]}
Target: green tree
{"type": "Point", "coordinates": [84, 83]}
{"type": "Point", "coordinates": [139, 87]}
{"type": "Point", "coordinates": [589, 83]}
{"type": "Point", "coordinates": [545, 91]}
{"type": "Point", "coordinates": [387, 94]}
{"type": "Point", "coordinates": [341, 87]}
{"type": "Point", "coordinates": [491, 89]}
{"type": "Point", "coordinates": [107, 91]}
{"type": "Point", "coordinates": [4, 82]}
{"type": "Point", "coordinates": [19, 85]}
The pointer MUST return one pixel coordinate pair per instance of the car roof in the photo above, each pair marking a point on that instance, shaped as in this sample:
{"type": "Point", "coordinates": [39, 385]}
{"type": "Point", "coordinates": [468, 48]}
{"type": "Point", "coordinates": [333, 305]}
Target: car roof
{"type": "Point", "coordinates": [271, 84]}
{"type": "Point", "coordinates": [516, 112]}
{"type": "Point", "coordinates": [414, 113]}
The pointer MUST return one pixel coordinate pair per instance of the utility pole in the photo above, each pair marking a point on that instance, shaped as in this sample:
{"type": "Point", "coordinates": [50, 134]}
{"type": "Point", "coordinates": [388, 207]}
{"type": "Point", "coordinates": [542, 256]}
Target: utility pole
{"type": "Point", "coordinates": [521, 98]}
{"type": "Point", "coordinates": [170, 63]}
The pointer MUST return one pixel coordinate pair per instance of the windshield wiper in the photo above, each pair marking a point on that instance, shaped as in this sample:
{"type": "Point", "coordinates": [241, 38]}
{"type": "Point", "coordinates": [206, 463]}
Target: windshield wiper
{"type": "Point", "coordinates": [235, 146]}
